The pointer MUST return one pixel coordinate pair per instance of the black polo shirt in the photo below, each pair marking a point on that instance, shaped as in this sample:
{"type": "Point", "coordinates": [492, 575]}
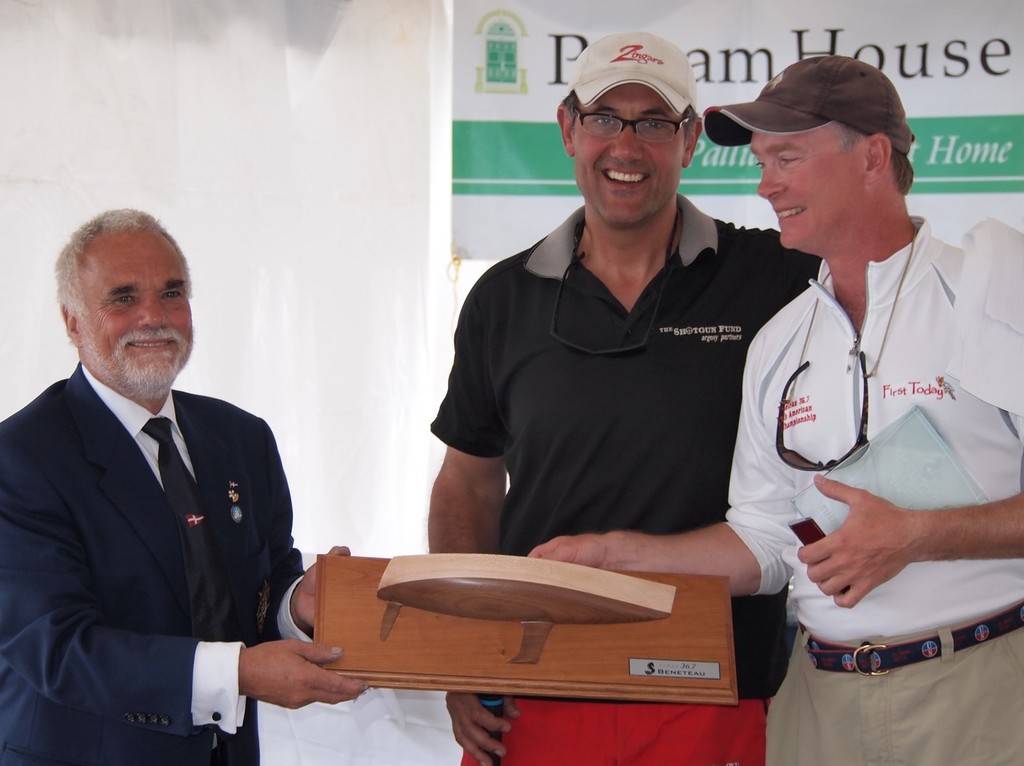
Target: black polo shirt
{"type": "Point", "coordinates": [640, 439]}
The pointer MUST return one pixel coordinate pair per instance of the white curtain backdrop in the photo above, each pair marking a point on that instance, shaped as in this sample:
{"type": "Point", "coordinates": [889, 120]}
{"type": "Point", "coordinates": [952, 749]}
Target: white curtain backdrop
{"type": "Point", "coordinates": [300, 153]}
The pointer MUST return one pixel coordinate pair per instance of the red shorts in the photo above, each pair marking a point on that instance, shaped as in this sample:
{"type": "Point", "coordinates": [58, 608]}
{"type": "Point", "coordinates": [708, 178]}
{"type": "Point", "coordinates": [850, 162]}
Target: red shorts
{"type": "Point", "coordinates": [634, 734]}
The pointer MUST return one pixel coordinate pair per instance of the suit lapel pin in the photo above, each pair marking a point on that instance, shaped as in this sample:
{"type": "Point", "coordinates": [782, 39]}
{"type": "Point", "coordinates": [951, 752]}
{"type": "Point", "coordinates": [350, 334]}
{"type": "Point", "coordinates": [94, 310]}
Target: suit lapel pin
{"type": "Point", "coordinates": [233, 496]}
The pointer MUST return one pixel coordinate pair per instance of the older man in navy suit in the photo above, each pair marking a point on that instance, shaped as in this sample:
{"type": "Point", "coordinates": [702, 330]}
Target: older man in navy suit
{"type": "Point", "coordinates": [124, 639]}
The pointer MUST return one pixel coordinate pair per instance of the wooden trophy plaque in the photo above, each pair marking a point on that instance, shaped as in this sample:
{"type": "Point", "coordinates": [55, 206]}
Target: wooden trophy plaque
{"type": "Point", "coordinates": [514, 625]}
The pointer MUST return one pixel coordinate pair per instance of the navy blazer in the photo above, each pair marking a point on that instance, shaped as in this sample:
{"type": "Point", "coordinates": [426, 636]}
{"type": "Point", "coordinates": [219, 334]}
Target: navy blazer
{"type": "Point", "coordinates": [95, 634]}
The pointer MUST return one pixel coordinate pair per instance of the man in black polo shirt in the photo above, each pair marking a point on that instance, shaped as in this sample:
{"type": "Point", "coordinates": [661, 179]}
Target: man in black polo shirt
{"type": "Point", "coordinates": [600, 371]}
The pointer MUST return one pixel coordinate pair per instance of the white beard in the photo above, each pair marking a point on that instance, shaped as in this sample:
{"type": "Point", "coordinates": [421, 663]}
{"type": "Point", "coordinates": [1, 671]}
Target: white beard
{"type": "Point", "coordinates": [139, 382]}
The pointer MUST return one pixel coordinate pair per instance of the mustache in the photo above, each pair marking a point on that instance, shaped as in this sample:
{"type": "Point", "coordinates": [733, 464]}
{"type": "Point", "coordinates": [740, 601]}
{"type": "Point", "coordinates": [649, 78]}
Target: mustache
{"type": "Point", "coordinates": [152, 333]}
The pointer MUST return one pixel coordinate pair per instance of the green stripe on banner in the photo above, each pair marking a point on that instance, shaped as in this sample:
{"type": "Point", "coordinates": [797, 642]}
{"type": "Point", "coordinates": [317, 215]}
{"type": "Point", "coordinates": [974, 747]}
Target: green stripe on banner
{"type": "Point", "coordinates": [951, 155]}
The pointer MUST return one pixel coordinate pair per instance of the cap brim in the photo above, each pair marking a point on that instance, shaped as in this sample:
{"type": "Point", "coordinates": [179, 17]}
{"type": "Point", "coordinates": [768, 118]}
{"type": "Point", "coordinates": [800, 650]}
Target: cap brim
{"type": "Point", "coordinates": [733, 125]}
{"type": "Point", "coordinates": [590, 91]}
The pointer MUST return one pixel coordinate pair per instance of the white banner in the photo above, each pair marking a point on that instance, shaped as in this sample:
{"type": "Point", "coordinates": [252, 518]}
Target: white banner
{"type": "Point", "coordinates": [957, 66]}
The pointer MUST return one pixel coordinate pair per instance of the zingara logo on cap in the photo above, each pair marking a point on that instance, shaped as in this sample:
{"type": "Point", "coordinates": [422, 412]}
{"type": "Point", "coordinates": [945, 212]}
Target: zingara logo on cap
{"type": "Point", "coordinates": [634, 53]}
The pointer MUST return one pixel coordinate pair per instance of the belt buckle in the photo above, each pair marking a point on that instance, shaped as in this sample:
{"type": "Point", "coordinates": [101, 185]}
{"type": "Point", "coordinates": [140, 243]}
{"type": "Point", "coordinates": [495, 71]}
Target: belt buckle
{"type": "Point", "coordinates": [866, 647]}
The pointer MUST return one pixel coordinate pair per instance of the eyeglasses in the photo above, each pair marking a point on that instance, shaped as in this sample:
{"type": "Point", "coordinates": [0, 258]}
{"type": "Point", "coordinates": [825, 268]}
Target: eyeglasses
{"type": "Point", "coordinates": [649, 129]}
{"type": "Point", "coordinates": [627, 344]}
{"type": "Point", "coordinates": [794, 459]}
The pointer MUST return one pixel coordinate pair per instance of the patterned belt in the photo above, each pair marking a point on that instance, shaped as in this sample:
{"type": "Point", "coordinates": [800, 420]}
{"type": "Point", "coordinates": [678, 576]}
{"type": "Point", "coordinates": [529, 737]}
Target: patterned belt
{"type": "Point", "coordinates": [870, 659]}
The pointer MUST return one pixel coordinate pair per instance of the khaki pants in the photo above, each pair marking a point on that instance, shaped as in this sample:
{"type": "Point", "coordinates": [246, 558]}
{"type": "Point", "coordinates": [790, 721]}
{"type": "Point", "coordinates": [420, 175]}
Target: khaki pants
{"type": "Point", "coordinates": [965, 709]}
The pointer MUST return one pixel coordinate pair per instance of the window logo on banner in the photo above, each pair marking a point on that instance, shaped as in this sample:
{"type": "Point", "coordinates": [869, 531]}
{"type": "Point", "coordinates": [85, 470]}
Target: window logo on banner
{"type": "Point", "coordinates": [500, 72]}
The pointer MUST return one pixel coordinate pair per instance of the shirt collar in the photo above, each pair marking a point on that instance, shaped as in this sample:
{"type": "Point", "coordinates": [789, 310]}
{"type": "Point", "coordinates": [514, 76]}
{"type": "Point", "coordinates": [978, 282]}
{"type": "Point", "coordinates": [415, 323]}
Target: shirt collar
{"type": "Point", "coordinates": [133, 416]}
{"type": "Point", "coordinates": [551, 256]}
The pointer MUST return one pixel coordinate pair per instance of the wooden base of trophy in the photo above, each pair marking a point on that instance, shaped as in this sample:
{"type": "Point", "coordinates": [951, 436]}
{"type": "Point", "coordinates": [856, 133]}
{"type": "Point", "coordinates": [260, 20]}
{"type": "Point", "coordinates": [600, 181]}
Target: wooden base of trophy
{"type": "Point", "coordinates": [511, 625]}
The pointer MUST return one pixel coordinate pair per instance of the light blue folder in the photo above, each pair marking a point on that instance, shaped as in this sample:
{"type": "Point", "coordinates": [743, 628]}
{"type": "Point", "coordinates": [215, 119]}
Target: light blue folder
{"type": "Point", "coordinates": [908, 464]}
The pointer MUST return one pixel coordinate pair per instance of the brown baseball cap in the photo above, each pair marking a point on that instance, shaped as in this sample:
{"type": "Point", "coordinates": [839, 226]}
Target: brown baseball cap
{"type": "Point", "coordinates": [811, 93]}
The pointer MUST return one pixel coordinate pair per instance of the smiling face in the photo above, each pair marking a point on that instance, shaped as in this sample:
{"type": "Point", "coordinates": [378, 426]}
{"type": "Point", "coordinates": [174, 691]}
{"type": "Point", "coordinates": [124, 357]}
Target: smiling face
{"type": "Point", "coordinates": [625, 181]}
{"type": "Point", "coordinates": [132, 322]}
{"type": "Point", "coordinates": [813, 181]}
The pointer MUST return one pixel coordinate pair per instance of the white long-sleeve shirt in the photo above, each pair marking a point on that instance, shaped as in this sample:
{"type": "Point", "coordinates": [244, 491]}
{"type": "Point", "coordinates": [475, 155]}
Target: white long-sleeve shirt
{"type": "Point", "coordinates": [926, 332]}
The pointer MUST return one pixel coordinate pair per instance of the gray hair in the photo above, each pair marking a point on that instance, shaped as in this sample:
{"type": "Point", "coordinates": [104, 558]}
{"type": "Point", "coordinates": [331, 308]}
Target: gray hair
{"type": "Point", "coordinates": [70, 259]}
{"type": "Point", "coordinates": [899, 163]}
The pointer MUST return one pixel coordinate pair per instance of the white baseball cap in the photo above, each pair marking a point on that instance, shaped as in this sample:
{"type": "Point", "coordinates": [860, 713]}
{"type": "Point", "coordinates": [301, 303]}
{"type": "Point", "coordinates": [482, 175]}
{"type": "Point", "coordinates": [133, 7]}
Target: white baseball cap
{"type": "Point", "coordinates": [635, 57]}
